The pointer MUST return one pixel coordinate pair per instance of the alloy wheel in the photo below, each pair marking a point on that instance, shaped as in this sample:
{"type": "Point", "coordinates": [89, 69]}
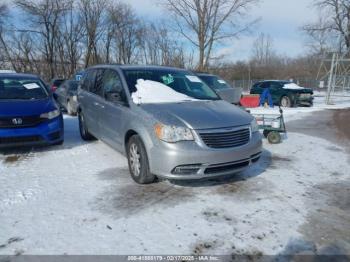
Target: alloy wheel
{"type": "Point", "coordinates": [135, 160]}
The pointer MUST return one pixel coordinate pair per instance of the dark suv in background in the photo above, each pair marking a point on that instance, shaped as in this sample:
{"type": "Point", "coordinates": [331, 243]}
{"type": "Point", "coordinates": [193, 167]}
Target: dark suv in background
{"type": "Point", "coordinates": [285, 93]}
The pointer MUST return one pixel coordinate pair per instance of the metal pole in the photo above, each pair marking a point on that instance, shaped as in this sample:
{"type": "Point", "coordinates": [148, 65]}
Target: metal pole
{"type": "Point", "coordinates": [330, 80]}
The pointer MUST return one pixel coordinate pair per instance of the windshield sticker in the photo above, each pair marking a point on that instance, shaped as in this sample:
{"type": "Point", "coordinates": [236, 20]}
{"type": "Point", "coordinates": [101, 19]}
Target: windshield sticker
{"type": "Point", "coordinates": [31, 86]}
{"type": "Point", "coordinates": [168, 79]}
{"type": "Point", "coordinates": [194, 79]}
{"type": "Point", "coordinates": [222, 81]}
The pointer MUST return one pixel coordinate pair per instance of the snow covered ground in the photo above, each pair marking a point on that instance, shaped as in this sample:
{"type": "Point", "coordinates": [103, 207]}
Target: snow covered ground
{"type": "Point", "coordinates": [79, 199]}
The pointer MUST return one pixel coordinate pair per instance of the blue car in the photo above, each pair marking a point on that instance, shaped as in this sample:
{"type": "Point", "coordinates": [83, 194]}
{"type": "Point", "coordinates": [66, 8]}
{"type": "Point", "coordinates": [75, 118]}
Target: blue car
{"type": "Point", "coordinates": [29, 115]}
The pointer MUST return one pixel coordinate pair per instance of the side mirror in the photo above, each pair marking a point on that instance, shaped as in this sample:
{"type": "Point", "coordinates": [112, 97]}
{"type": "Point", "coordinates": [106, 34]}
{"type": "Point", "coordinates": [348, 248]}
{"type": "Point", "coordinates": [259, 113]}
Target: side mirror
{"type": "Point", "coordinates": [115, 97]}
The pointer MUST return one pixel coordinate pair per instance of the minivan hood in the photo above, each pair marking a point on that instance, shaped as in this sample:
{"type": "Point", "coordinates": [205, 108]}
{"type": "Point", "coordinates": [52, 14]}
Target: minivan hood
{"type": "Point", "coordinates": [199, 114]}
{"type": "Point", "coordinates": [10, 108]}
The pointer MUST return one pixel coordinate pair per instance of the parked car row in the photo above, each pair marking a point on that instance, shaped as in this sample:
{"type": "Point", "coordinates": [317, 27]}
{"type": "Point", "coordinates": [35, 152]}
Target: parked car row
{"type": "Point", "coordinates": [167, 121]}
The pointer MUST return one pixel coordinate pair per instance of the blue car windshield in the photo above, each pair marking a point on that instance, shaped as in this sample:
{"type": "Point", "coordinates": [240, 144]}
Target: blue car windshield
{"type": "Point", "coordinates": [180, 81]}
{"type": "Point", "coordinates": [18, 88]}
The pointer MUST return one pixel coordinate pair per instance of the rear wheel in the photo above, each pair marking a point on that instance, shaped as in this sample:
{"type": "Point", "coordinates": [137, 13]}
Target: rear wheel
{"type": "Point", "coordinates": [138, 161]}
{"type": "Point", "coordinates": [274, 137]}
{"type": "Point", "coordinates": [84, 133]}
{"type": "Point", "coordinates": [285, 102]}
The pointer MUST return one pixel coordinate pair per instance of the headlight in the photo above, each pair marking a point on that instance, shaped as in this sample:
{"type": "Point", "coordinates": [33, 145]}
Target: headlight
{"type": "Point", "coordinates": [51, 115]}
{"type": "Point", "coordinates": [172, 134]}
{"type": "Point", "coordinates": [254, 126]}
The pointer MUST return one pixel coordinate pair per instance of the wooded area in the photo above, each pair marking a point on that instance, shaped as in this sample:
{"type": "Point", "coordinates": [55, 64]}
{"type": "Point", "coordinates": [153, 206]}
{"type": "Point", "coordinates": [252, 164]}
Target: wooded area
{"type": "Point", "coordinates": [57, 38]}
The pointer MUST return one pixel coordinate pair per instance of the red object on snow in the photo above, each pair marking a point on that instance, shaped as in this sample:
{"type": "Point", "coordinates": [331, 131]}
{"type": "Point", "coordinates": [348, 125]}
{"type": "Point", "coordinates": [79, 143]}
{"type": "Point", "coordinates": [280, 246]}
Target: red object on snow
{"type": "Point", "coordinates": [250, 101]}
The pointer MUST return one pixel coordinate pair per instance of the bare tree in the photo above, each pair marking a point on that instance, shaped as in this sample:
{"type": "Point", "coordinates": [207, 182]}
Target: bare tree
{"type": "Point", "coordinates": [335, 21]}
{"type": "Point", "coordinates": [206, 22]}
{"type": "Point", "coordinates": [263, 52]}
{"type": "Point", "coordinates": [71, 33]}
{"type": "Point", "coordinates": [4, 48]}
{"type": "Point", "coordinates": [92, 13]}
{"type": "Point", "coordinates": [44, 18]}
{"type": "Point", "coordinates": [127, 32]}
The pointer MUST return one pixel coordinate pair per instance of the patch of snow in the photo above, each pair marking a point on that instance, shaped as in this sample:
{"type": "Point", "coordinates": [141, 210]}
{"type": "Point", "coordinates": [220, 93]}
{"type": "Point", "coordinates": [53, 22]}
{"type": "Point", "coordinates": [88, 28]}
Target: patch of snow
{"type": "Point", "coordinates": [152, 92]}
{"type": "Point", "coordinates": [292, 86]}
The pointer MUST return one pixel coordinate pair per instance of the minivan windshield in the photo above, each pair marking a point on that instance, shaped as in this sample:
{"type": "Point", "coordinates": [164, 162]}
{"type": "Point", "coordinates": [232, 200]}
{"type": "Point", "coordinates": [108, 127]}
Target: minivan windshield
{"type": "Point", "coordinates": [182, 82]}
{"type": "Point", "coordinates": [21, 88]}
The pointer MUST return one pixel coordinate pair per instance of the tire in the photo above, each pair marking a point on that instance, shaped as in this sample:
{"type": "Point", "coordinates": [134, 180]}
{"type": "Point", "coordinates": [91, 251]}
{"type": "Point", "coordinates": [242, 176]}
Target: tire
{"type": "Point", "coordinates": [138, 161]}
{"type": "Point", "coordinates": [84, 133]}
{"type": "Point", "coordinates": [70, 110]}
{"type": "Point", "coordinates": [266, 133]}
{"type": "Point", "coordinates": [285, 102]}
{"type": "Point", "coordinates": [274, 137]}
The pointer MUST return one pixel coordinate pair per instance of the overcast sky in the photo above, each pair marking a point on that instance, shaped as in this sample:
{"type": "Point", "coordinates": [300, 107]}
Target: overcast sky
{"type": "Point", "coordinates": [281, 19]}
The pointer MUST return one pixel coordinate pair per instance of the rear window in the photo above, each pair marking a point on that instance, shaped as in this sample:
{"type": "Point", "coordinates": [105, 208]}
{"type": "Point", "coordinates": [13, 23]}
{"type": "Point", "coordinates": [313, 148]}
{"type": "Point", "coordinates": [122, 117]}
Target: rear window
{"type": "Point", "coordinates": [57, 82]}
{"type": "Point", "coordinates": [22, 88]}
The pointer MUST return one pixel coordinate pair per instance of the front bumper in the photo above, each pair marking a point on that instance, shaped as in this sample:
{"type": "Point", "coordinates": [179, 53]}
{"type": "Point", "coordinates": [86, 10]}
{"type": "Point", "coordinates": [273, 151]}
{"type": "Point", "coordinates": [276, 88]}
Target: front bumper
{"type": "Point", "coordinates": [305, 101]}
{"type": "Point", "coordinates": [46, 133]}
{"type": "Point", "coordinates": [197, 162]}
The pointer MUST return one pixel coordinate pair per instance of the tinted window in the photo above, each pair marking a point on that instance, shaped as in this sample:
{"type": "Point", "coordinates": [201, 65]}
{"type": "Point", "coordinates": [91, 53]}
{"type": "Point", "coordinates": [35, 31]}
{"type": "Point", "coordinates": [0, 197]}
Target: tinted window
{"type": "Point", "coordinates": [22, 88]}
{"type": "Point", "coordinates": [89, 80]}
{"type": "Point", "coordinates": [181, 81]}
{"type": "Point", "coordinates": [57, 82]}
{"type": "Point", "coordinates": [275, 85]}
{"type": "Point", "coordinates": [97, 88]}
{"type": "Point", "coordinates": [112, 86]}
{"type": "Point", "coordinates": [215, 82]}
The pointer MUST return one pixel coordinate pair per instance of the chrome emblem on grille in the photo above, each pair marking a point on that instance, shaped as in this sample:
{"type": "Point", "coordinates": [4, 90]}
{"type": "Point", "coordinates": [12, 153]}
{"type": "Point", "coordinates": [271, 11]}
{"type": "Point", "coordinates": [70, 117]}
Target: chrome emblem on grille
{"type": "Point", "coordinates": [17, 121]}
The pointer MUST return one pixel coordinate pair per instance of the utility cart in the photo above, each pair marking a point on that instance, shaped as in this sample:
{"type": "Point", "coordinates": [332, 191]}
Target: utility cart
{"type": "Point", "coordinates": [273, 126]}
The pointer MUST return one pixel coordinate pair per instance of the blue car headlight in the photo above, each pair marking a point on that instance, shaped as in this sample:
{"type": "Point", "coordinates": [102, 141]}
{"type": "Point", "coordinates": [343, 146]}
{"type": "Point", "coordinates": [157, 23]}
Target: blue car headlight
{"type": "Point", "coordinates": [51, 114]}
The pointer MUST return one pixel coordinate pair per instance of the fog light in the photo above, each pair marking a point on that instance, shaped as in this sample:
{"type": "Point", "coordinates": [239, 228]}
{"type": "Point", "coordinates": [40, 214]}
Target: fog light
{"type": "Point", "coordinates": [186, 170]}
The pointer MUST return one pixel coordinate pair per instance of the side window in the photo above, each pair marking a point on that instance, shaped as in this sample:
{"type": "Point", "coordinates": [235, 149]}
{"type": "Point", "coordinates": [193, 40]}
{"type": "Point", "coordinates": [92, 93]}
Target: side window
{"type": "Point", "coordinates": [112, 87]}
{"type": "Point", "coordinates": [275, 86]}
{"type": "Point", "coordinates": [97, 87]}
{"type": "Point", "coordinates": [265, 85]}
{"type": "Point", "coordinates": [89, 80]}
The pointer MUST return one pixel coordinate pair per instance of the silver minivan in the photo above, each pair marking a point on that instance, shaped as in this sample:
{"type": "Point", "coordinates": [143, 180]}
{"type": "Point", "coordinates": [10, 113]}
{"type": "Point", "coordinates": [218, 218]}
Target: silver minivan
{"type": "Point", "coordinates": [166, 121]}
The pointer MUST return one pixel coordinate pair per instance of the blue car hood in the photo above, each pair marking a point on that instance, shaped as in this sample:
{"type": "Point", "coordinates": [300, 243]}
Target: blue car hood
{"type": "Point", "coordinates": [10, 108]}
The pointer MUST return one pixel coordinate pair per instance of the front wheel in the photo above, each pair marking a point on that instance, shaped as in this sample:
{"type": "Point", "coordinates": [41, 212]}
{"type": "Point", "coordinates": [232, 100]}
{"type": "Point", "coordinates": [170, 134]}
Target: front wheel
{"type": "Point", "coordinates": [286, 102]}
{"type": "Point", "coordinates": [84, 133]}
{"type": "Point", "coordinates": [138, 161]}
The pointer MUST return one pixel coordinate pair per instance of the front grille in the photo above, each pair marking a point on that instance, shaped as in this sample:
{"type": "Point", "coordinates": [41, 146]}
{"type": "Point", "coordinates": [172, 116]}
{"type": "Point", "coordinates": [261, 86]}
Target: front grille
{"type": "Point", "coordinates": [19, 122]}
{"type": "Point", "coordinates": [226, 139]}
{"type": "Point", "coordinates": [305, 96]}
{"type": "Point", "coordinates": [225, 167]}
{"type": "Point", "coordinates": [20, 139]}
